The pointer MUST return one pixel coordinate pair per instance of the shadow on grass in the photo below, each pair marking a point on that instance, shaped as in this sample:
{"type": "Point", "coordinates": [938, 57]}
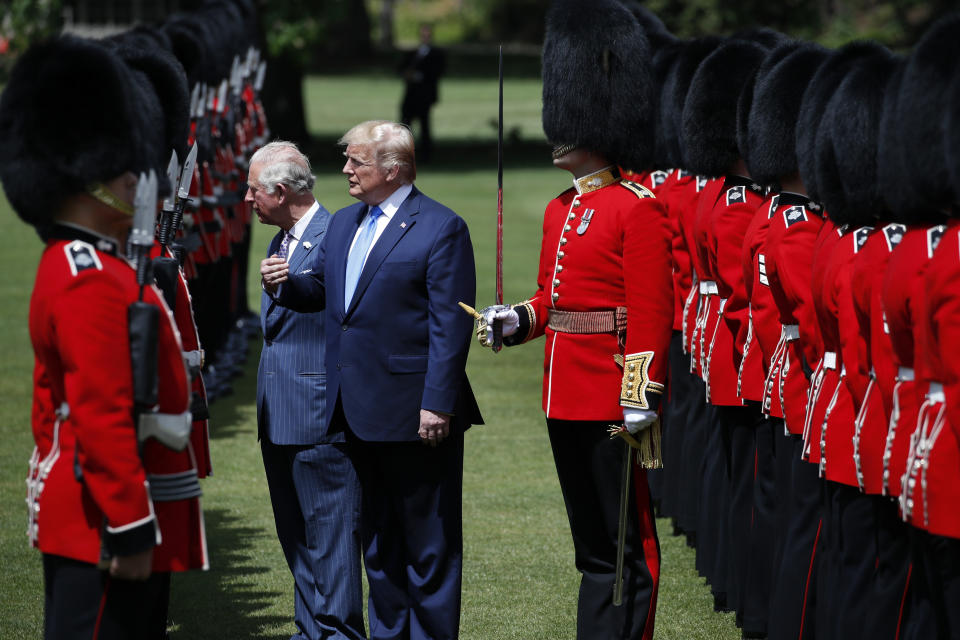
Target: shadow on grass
{"type": "Point", "coordinates": [226, 601]}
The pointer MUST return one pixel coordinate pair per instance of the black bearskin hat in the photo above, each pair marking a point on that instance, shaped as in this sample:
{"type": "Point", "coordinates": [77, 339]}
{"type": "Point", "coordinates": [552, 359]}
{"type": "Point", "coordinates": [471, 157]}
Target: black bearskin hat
{"type": "Point", "coordinates": [709, 127]}
{"type": "Point", "coordinates": [824, 83]}
{"type": "Point", "coordinates": [673, 94]}
{"type": "Point", "coordinates": [656, 32]}
{"type": "Point", "coordinates": [952, 136]}
{"type": "Point", "coordinates": [48, 152]}
{"type": "Point", "coordinates": [896, 195]}
{"type": "Point", "coordinates": [597, 85]}
{"type": "Point", "coordinates": [771, 140]}
{"type": "Point", "coordinates": [666, 145]}
{"type": "Point", "coordinates": [188, 39]}
{"type": "Point", "coordinates": [851, 127]}
{"type": "Point", "coordinates": [169, 82]}
{"type": "Point", "coordinates": [921, 106]}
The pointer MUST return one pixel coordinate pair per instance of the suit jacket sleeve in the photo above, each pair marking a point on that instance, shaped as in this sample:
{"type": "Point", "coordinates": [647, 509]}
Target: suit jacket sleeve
{"type": "Point", "coordinates": [306, 292]}
{"type": "Point", "coordinates": [451, 277]}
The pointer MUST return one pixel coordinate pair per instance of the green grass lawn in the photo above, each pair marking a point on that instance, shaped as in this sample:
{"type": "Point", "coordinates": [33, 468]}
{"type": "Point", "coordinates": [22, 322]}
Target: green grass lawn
{"type": "Point", "coordinates": [519, 580]}
{"type": "Point", "coordinates": [467, 109]}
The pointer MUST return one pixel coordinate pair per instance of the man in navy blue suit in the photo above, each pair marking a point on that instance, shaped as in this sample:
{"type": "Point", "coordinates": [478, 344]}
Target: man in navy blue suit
{"type": "Point", "coordinates": [313, 484]}
{"type": "Point", "coordinates": [389, 276]}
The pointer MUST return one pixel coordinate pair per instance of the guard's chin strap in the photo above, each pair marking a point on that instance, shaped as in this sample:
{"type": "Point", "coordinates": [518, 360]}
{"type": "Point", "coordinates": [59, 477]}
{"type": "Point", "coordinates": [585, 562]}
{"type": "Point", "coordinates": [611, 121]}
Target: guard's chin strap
{"type": "Point", "coordinates": [103, 194]}
{"type": "Point", "coordinates": [562, 150]}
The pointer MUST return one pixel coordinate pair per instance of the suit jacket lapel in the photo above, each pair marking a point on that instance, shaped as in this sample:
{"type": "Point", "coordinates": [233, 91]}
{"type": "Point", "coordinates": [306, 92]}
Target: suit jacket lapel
{"type": "Point", "coordinates": [311, 236]}
{"type": "Point", "coordinates": [401, 222]}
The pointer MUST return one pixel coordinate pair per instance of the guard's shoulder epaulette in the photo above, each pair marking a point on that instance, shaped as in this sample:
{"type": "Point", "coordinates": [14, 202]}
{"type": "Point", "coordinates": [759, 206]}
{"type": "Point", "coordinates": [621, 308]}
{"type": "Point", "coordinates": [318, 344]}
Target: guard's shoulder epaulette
{"type": "Point", "coordinates": [81, 256]}
{"type": "Point", "coordinates": [638, 189]}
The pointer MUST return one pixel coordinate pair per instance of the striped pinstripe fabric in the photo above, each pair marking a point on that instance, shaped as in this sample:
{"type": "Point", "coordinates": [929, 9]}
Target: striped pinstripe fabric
{"type": "Point", "coordinates": [291, 381]}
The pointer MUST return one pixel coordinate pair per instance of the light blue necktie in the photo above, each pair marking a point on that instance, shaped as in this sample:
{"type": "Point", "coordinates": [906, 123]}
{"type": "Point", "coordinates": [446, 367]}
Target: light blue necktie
{"type": "Point", "coordinates": [358, 254]}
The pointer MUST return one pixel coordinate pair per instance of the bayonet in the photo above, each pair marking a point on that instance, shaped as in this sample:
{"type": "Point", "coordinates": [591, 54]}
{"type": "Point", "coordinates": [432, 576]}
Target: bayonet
{"type": "Point", "coordinates": [173, 172]}
{"type": "Point", "coordinates": [235, 73]}
{"type": "Point", "coordinates": [186, 176]}
{"type": "Point", "coordinates": [169, 202]}
{"type": "Point", "coordinates": [222, 96]}
{"type": "Point", "coordinates": [194, 99]}
{"type": "Point", "coordinates": [261, 72]}
{"type": "Point", "coordinates": [144, 223]}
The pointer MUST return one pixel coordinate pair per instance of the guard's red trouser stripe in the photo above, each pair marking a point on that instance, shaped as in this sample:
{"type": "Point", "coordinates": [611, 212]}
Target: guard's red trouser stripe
{"type": "Point", "coordinates": [651, 550]}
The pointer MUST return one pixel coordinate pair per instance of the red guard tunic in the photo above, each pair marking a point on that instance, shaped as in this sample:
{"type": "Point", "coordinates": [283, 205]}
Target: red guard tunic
{"type": "Point", "coordinates": [88, 486]}
{"type": "Point", "coordinates": [930, 487]}
{"type": "Point", "coordinates": [870, 429]}
{"type": "Point", "coordinates": [840, 333]}
{"type": "Point", "coordinates": [193, 355]}
{"type": "Point", "coordinates": [788, 258]}
{"type": "Point", "coordinates": [606, 244]}
{"type": "Point", "coordinates": [697, 306]}
{"type": "Point", "coordinates": [723, 232]}
{"type": "Point", "coordinates": [687, 205]}
{"type": "Point", "coordinates": [900, 297]}
{"type": "Point", "coordinates": [937, 481]}
{"type": "Point", "coordinates": [760, 334]}
{"type": "Point", "coordinates": [679, 194]}
{"type": "Point", "coordinates": [826, 375]}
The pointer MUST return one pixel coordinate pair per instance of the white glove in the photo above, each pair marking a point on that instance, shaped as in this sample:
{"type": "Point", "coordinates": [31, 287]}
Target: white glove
{"type": "Point", "coordinates": [502, 312]}
{"type": "Point", "coordinates": [638, 420]}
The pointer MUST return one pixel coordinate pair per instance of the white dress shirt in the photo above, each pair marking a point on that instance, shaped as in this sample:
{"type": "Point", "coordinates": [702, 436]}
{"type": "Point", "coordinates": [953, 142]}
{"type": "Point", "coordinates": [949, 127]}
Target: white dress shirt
{"type": "Point", "coordinates": [389, 208]}
{"type": "Point", "coordinates": [296, 231]}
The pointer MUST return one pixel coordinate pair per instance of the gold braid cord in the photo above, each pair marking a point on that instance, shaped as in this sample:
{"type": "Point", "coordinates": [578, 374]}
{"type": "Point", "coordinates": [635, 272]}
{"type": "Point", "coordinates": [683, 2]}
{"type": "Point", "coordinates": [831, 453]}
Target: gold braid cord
{"type": "Point", "coordinates": [531, 318]}
{"type": "Point", "coordinates": [636, 384]}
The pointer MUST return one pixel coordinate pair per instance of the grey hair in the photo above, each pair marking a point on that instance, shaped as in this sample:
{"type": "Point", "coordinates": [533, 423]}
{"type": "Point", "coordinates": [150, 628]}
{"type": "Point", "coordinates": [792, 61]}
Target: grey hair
{"type": "Point", "coordinates": [283, 163]}
{"type": "Point", "coordinates": [392, 145]}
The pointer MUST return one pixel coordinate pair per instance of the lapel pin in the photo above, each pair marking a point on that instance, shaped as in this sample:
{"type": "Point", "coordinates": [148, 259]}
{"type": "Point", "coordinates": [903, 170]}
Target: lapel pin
{"type": "Point", "coordinates": [307, 244]}
{"type": "Point", "coordinates": [403, 225]}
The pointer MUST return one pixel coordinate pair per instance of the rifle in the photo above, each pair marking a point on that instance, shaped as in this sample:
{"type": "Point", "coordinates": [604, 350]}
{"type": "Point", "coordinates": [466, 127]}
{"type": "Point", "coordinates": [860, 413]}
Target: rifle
{"type": "Point", "coordinates": [143, 325]}
{"type": "Point", "coordinates": [142, 317]}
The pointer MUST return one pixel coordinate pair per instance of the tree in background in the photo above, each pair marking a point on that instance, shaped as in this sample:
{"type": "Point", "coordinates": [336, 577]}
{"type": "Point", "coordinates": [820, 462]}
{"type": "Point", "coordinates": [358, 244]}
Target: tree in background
{"type": "Point", "coordinates": [895, 23]}
{"type": "Point", "coordinates": [23, 22]}
{"type": "Point", "coordinates": [301, 35]}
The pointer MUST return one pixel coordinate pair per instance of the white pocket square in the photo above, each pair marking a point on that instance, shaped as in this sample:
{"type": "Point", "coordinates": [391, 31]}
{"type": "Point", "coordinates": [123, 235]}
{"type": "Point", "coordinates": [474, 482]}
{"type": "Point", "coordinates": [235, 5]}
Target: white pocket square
{"type": "Point", "coordinates": [306, 271]}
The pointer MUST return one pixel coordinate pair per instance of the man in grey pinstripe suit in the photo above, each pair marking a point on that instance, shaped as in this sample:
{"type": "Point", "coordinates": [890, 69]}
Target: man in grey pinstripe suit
{"type": "Point", "coordinates": [313, 485]}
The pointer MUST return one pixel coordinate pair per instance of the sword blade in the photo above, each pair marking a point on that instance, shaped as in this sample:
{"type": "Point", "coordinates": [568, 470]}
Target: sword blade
{"type": "Point", "coordinates": [499, 291]}
{"type": "Point", "coordinates": [622, 528]}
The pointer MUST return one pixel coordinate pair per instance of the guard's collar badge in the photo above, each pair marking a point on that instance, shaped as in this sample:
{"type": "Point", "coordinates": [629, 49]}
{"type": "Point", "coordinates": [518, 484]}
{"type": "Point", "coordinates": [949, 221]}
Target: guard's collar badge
{"type": "Point", "coordinates": [596, 180]}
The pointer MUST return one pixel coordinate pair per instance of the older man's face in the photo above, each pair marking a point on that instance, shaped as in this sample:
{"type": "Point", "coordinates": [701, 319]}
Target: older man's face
{"type": "Point", "coordinates": [267, 206]}
{"type": "Point", "coordinates": [368, 182]}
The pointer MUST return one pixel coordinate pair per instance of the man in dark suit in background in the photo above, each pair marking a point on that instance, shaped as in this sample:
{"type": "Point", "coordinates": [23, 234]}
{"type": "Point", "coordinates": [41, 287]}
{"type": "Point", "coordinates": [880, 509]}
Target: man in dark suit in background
{"type": "Point", "coordinates": [421, 70]}
{"type": "Point", "coordinates": [313, 485]}
{"type": "Point", "coordinates": [389, 276]}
